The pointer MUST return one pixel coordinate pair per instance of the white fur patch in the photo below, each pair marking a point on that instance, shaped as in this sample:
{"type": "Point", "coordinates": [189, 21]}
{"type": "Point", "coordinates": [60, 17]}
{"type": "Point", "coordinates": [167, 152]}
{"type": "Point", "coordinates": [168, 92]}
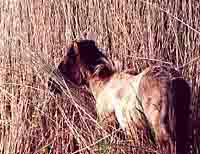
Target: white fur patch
{"type": "Point", "coordinates": [119, 113]}
{"type": "Point", "coordinates": [125, 106]}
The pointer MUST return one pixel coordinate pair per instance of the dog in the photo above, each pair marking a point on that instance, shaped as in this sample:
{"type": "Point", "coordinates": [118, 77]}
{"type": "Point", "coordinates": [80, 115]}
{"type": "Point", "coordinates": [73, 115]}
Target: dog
{"type": "Point", "coordinates": [158, 96]}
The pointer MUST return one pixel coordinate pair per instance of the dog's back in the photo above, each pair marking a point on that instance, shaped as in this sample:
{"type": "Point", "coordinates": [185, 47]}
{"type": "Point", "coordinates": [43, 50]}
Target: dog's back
{"type": "Point", "coordinates": [166, 100]}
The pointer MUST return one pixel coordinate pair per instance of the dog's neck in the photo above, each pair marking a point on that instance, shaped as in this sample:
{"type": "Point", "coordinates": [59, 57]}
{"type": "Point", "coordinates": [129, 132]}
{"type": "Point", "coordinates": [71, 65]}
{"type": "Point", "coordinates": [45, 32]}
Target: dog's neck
{"type": "Point", "coordinates": [97, 83]}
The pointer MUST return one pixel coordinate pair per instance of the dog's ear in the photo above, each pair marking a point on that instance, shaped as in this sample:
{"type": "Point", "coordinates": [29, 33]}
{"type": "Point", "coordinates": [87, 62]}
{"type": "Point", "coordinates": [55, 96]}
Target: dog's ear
{"type": "Point", "coordinates": [102, 71]}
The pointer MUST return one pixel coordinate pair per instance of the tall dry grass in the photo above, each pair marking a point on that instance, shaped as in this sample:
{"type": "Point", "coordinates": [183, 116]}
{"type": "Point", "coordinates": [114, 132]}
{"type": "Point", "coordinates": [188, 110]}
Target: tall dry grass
{"type": "Point", "coordinates": [136, 32]}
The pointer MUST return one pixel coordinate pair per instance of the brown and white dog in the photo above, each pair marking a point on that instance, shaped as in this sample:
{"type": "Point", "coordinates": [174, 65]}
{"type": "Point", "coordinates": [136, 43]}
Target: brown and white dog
{"type": "Point", "coordinates": [158, 94]}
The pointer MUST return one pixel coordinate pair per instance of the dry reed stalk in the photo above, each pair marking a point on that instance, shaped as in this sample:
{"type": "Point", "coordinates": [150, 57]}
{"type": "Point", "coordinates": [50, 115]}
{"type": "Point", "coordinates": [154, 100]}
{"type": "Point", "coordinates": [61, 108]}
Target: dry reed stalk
{"type": "Point", "coordinates": [31, 38]}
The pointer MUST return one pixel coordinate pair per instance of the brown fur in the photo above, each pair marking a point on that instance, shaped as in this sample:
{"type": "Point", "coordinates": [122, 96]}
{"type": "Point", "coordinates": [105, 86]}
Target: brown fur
{"type": "Point", "coordinates": [155, 95]}
{"type": "Point", "coordinates": [156, 92]}
{"type": "Point", "coordinates": [68, 69]}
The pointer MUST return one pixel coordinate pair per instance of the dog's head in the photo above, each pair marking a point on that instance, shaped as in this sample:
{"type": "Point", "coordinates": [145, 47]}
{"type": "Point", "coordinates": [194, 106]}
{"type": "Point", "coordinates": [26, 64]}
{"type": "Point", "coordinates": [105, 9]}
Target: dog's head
{"type": "Point", "coordinates": [70, 66]}
{"type": "Point", "coordinates": [82, 59]}
{"type": "Point", "coordinates": [68, 69]}
{"type": "Point", "coordinates": [92, 59]}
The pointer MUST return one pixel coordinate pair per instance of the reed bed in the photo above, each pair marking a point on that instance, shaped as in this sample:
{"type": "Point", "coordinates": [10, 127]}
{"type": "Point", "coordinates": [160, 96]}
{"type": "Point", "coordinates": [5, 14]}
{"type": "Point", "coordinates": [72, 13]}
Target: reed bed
{"type": "Point", "coordinates": [138, 33]}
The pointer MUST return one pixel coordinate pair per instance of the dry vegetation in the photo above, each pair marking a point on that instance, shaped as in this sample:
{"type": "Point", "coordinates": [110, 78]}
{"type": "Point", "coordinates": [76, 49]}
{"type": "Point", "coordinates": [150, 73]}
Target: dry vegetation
{"type": "Point", "coordinates": [136, 32]}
